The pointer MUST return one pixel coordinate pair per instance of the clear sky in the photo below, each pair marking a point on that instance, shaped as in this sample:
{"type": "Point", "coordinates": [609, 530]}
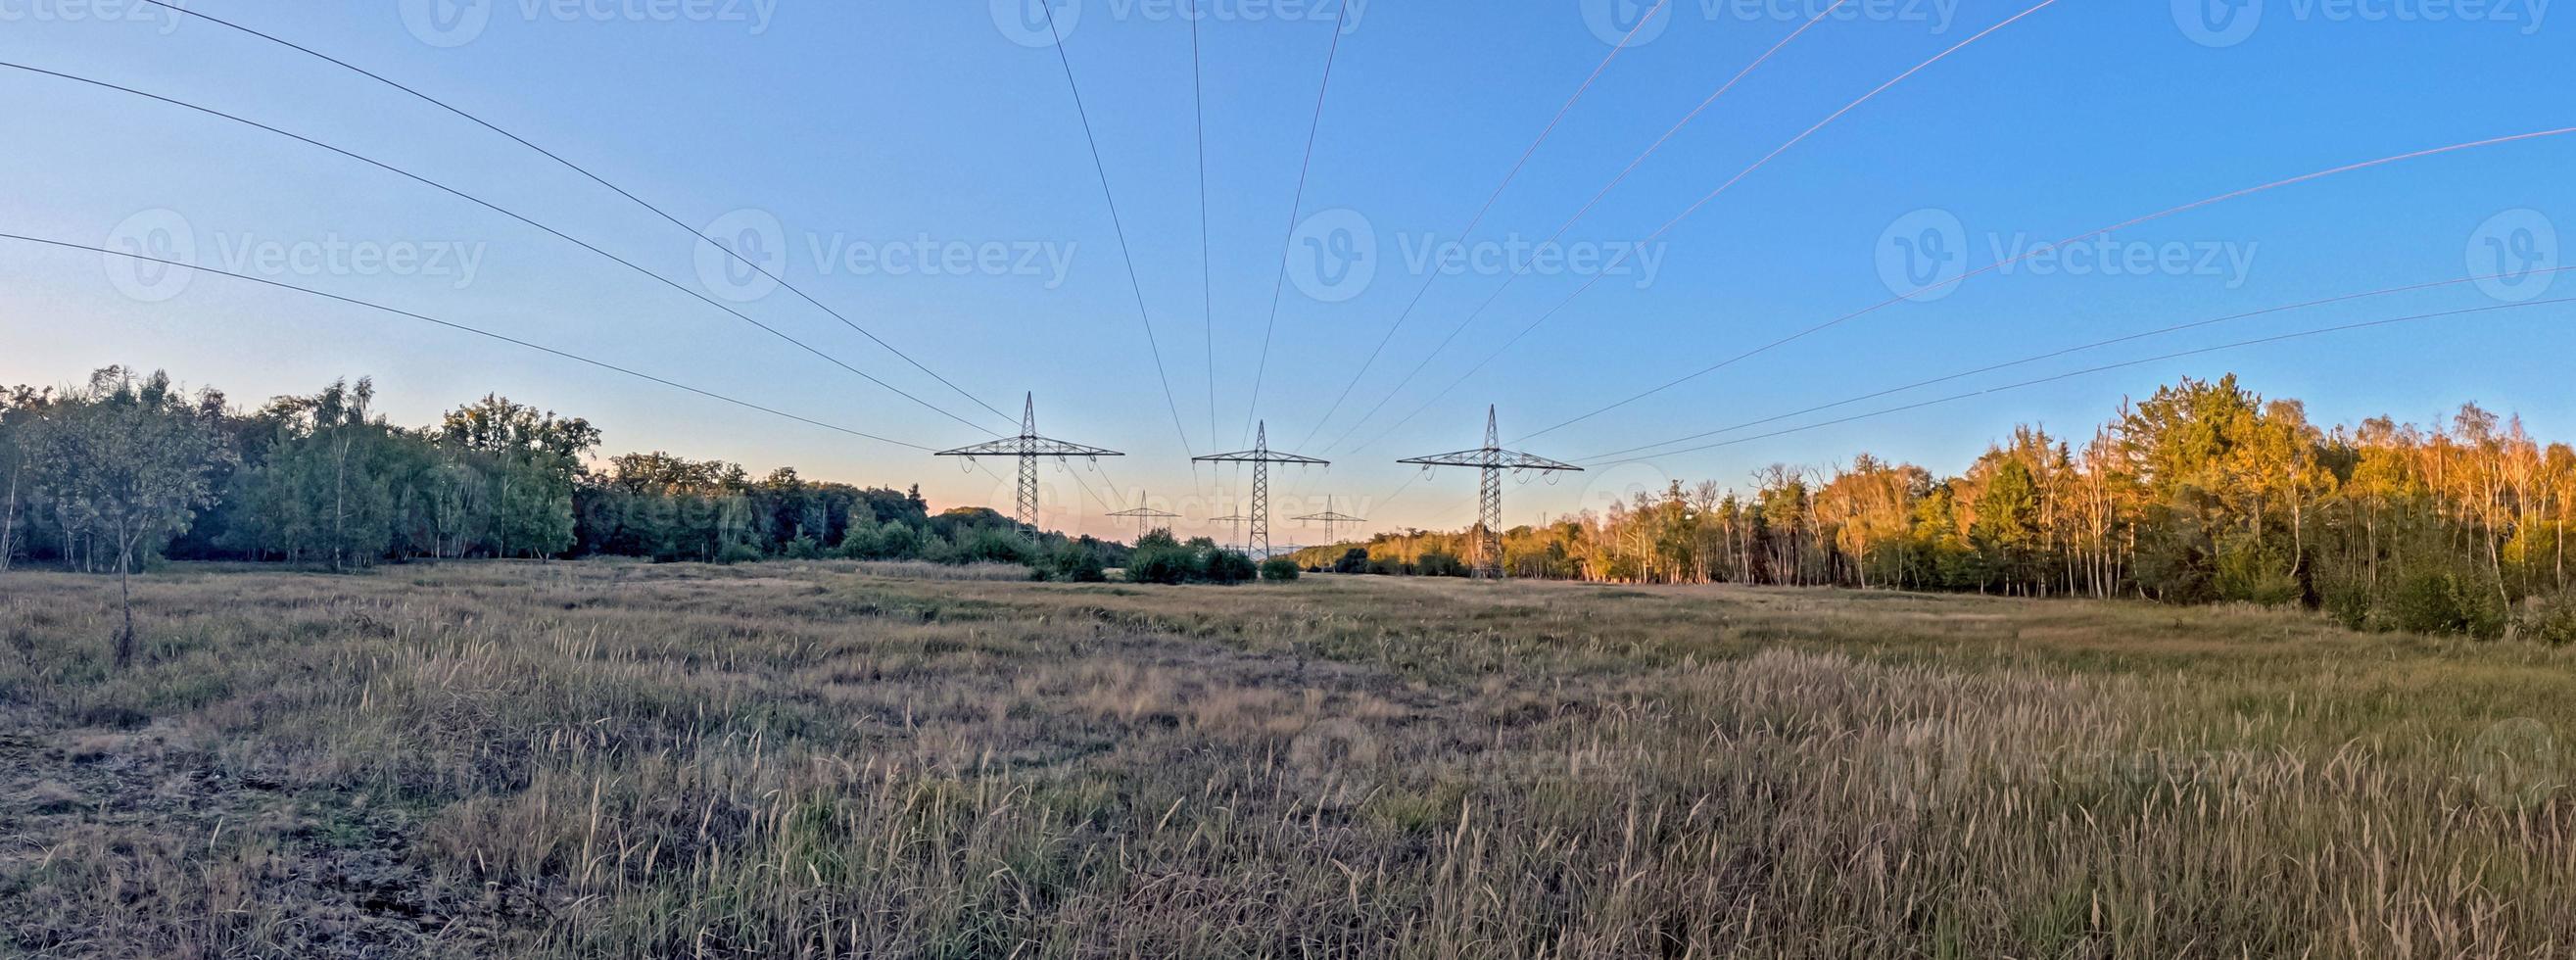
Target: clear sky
{"type": "Point", "coordinates": [873, 132]}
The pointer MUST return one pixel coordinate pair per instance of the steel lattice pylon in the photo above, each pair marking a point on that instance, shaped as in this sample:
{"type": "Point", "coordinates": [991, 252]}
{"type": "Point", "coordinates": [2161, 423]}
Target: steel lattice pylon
{"type": "Point", "coordinates": [1491, 460]}
{"type": "Point", "coordinates": [1261, 457]}
{"type": "Point", "coordinates": [1028, 447]}
{"type": "Point", "coordinates": [1144, 516]}
{"type": "Point", "coordinates": [1330, 520]}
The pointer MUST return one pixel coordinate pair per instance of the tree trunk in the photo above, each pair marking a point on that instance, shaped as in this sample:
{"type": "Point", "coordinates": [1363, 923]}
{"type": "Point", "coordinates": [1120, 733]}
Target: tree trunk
{"type": "Point", "coordinates": [125, 589]}
{"type": "Point", "coordinates": [9, 517]}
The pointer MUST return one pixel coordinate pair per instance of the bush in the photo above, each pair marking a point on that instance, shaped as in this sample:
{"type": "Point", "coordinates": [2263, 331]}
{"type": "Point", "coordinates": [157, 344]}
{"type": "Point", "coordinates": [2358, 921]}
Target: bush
{"type": "Point", "coordinates": [2444, 601]}
{"type": "Point", "coordinates": [2255, 574]}
{"type": "Point", "coordinates": [1438, 564]}
{"type": "Point", "coordinates": [739, 553]}
{"type": "Point", "coordinates": [1074, 564]}
{"type": "Point", "coordinates": [1228, 566]}
{"type": "Point", "coordinates": [1354, 560]}
{"type": "Point", "coordinates": [2549, 620]}
{"type": "Point", "coordinates": [1280, 570]}
{"type": "Point", "coordinates": [1164, 562]}
{"type": "Point", "coordinates": [801, 548]}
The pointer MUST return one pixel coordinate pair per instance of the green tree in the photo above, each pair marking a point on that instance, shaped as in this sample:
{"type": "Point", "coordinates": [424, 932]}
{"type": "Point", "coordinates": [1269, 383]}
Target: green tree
{"type": "Point", "coordinates": [132, 460]}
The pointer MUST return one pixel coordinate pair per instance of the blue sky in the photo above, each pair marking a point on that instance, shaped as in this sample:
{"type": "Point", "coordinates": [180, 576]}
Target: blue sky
{"type": "Point", "coordinates": [869, 133]}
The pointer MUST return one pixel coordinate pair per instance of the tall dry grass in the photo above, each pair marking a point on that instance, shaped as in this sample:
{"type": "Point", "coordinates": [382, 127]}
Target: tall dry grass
{"type": "Point", "coordinates": [824, 760]}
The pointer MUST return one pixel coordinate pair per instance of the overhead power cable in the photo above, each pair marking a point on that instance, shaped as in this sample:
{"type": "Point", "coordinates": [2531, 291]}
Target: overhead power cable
{"type": "Point", "coordinates": [585, 172]}
{"type": "Point", "coordinates": [1712, 195]}
{"type": "Point", "coordinates": [1472, 222]}
{"type": "Point", "coordinates": [1515, 274]}
{"type": "Point", "coordinates": [514, 215]}
{"type": "Point", "coordinates": [1207, 282]}
{"type": "Point", "coordinates": [1119, 225]}
{"type": "Point", "coordinates": [2036, 251]}
{"type": "Point", "coordinates": [463, 328]}
{"type": "Point", "coordinates": [2054, 354]}
{"type": "Point", "coordinates": [1296, 206]}
{"type": "Point", "coordinates": [2258, 341]}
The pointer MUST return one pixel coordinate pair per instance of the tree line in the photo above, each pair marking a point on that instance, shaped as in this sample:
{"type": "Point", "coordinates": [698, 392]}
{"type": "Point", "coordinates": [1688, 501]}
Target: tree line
{"type": "Point", "coordinates": [2204, 492]}
{"type": "Point", "coordinates": [125, 469]}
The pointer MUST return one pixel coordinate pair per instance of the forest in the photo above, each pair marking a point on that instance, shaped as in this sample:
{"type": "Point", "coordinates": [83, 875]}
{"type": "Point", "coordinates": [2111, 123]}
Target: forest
{"type": "Point", "coordinates": [126, 469]}
{"type": "Point", "coordinates": [2204, 492]}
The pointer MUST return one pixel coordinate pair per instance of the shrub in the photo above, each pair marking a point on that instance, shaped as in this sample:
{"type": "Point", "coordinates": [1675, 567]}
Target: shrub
{"type": "Point", "coordinates": [1354, 560]}
{"type": "Point", "coordinates": [801, 548]}
{"type": "Point", "coordinates": [1074, 564]}
{"type": "Point", "coordinates": [2444, 601]}
{"type": "Point", "coordinates": [1229, 566]}
{"type": "Point", "coordinates": [1280, 569]}
{"type": "Point", "coordinates": [739, 553]}
{"type": "Point", "coordinates": [1438, 564]}
{"type": "Point", "coordinates": [1164, 562]}
{"type": "Point", "coordinates": [2548, 620]}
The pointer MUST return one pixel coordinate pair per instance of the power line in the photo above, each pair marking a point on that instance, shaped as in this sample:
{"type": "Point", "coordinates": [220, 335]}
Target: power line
{"type": "Point", "coordinates": [1207, 283]}
{"type": "Point", "coordinates": [477, 331]}
{"type": "Point", "coordinates": [1515, 274]}
{"type": "Point", "coordinates": [2259, 341]}
{"type": "Point", "coordinates": [2036, 251]}
{"type": "Point", "coordinates": [1472, 222]}
{"type": "Point", "coordinates": [1119, 225]}
{"type": "Point", "coordinates": [1703, 202]}
{"type": "Point", "coordinates": [595, 178]}
{"type": "Point", "coordinates": [504, 211]}
{"type": "Point", "coordinates": [1946, 282]}
{"type": "Point", "coordinates": [2053, 354]}
{"type": "Point", "coordinates": [1296, 206]}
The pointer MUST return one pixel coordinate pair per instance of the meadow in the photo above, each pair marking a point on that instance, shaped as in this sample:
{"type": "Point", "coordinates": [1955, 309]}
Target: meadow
{"type": "Point", "coordinates": [839, 759]}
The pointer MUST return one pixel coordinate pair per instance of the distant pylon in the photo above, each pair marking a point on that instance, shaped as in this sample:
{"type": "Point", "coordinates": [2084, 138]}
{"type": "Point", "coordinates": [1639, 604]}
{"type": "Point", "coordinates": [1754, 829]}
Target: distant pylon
{"type": "Point", "coordinates": [1144, 516]}
{"type": "Point", "coordinates": [1261, 457]}
{"type": "Point", "coordinates": [1329, 519]}
{"type": "Point", "coordinates": [1238, 521]}
{"type": "Point", "coordinates": [1492, 460]}
{"type": "Point", "coordinates": [1028, 446]}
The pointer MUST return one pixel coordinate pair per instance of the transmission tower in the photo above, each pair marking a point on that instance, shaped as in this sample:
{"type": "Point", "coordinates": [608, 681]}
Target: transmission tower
{"type": "Point", "coordinates": [1261, 457]}
{"type": "Point", "coordinates": [1238, 521]}
{"type": "Point", "coordinates": [1492, 459]}
{"type": "Point", "coordinates": [1145, 516]}
{"type": "Point", "coordinates": [1028, 446]}
{"type": "Point", "coordinates": [1329, 519]}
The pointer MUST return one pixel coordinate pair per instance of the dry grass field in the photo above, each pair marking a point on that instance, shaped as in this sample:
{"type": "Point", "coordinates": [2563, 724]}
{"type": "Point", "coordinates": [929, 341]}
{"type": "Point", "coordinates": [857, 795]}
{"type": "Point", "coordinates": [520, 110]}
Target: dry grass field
{"type": "Point", "coordinates": [836, 760]}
